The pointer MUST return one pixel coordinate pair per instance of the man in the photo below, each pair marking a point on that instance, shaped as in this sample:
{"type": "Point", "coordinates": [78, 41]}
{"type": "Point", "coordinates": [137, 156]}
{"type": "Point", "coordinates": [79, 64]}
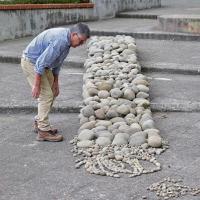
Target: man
{"type": "Point", "coordinates": [41, 62]}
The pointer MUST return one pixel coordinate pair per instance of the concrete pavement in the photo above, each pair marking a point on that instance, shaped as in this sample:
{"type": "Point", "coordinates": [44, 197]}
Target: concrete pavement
{"type": "Point", "coordinates": [32, 170]}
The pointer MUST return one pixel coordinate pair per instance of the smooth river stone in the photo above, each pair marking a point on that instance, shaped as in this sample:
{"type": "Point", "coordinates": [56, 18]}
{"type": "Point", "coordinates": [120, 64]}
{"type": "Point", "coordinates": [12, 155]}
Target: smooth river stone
{"type": "Point", "coordinates": [148, 124]}
{"type": "Point", "coordinates": [104, 85]}
{"type": "Point", "coordinates": [123, 109]}
{"type": "Point", "coordinates": [87, 111]}
{"type": "Point", "coordinates": [88, 125]}
{"type": "Point", "coordinates": [154, 141]}
{"type": "Point", "coordinates": [125, 129]}
{"type": "Point", "coordinates": [86, 134]}
{"type": "Point", "coordinates": [85, 143]}
{"type": "Point", "coordinates": [142, 95]}
{"type": "Point", "coordinates": [100, 114]}
{"type": "Point", "coordinates": [129, 94]}
{"type": "Point", "coordinates": [92, 91]}
{"type": "Point", "coordinates": [137, 139]}
{"type": "Point", "coordinates": [105, 123]}
{"type": "Point", "coordinates": [117, 119]}
{"type": "Point", "coordinates": [119, 140]}
{"type": "Point", "coordinates": [116, 93]}
{"type": "Point", "coordinates": [139, 81]}
{"type": "Point", "coordinates": [135, 127]}
{"type": "Point", "coordinates": [141, 102]}
{"type": "Point", "coordinates": [103, 141]}
{"type": "Point", "coordinates": [105, 134]}
{"type": "Point", "coordinates": [103, 94]}
{"type": "Point", "coordinates": [143, 88]}
{"type": "Point", "coordinates": [111, 113]}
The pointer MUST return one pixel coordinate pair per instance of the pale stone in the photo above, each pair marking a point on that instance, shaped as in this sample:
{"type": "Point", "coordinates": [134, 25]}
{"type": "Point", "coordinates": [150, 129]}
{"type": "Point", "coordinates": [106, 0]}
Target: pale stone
{"type": "Point", "coordinates": [103, 94]}
{"type": "Point", "coordinates": [86, 134]}
{"type": "Point", "coordinates": [135, 127]}
{"type": "Point", "coordinates": [119, 141]}
{"type": "Point", "coordinates": [105, 133]}
{"type": "Point", "coordinates": [137, 139]}
{"type": "Point", "coordinates": [129, 94]}
{"type": "Point", "coordinates": [92, 91]}
{"type": "Point", "coordinates": [116, 93]}
{"type": "Point", "coordinates": [126, 136]}
{"type": "Point", "coordinates": [103, 141]}
{"type": "Point", "coordinates": [123, 109]}
{"type": "Point", "coordinates": [148, 124]}
{"type": "Point", "coordinates": [125, 129]}
{"type": "Point", "coordinates": [87, 111]}
{"type": "Point", "coordinates": [104, 85]}
{"type": "Point", "coordinates": [111, 113]}
{"type": "Point", "coordinates": [143, 88]}
{"type": "Point", "coordinates": [88, 125]}
{"type": "Point", "coordinates": [142, 95]}
{"type": "Point", "coordinates": [155, 141]}
{"type": "Point", "coordinates": [117, 119]}
{"type": "Point", "coordinates": [100, 114]}
{"type": "Point", "coordinates": [141, 102]}
{"type": "Point", "coordinates": [103, 123]}
{"type": "Point", "coordinates": [85, 143]}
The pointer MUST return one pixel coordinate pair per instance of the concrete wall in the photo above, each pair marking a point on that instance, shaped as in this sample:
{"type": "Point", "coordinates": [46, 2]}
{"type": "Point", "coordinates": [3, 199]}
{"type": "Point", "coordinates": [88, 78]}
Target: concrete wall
{"type": "Point", "coordinates": [20, 23]}
{"type": "Point", "coordinates": [108, 8]}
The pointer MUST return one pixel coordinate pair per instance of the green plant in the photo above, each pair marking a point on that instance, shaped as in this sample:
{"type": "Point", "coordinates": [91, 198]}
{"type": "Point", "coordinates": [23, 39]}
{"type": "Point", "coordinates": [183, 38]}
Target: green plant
{"type": "Point", "coordinates": [42, 1]}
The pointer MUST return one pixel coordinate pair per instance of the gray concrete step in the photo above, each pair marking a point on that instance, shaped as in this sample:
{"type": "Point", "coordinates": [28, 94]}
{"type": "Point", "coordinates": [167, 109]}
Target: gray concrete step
{"type": "Point", "coordinates": [45, 171]}
{"type": "Point", "coordinates": [15, 93]}
{"type": "Point", "coordinates": [168, 92]}
{"type": "Point", "coordinates": [174, 92]}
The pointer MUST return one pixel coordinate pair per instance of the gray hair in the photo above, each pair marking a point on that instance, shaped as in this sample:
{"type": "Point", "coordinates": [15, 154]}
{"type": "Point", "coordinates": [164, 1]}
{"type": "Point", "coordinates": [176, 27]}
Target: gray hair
{"type": "Point", "coordinates": [81, 29]}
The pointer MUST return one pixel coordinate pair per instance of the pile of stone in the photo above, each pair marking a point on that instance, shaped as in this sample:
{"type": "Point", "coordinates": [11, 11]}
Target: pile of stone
{"type": "Point", "coordinates": [170, 188]}
{"type": "Point", "coordinates": [116, 111]}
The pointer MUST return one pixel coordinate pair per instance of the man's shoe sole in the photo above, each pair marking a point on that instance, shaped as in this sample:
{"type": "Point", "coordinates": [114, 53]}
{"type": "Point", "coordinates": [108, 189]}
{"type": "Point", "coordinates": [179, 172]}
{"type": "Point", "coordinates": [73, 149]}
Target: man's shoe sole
{"type": "Point", "coordinates": [48, 140]}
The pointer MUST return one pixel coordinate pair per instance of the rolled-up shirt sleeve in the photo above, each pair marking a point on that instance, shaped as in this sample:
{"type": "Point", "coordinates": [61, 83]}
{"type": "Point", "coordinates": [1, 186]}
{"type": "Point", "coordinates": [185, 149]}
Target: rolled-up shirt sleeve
{"type": "Point", "coordinates": [50, 54]}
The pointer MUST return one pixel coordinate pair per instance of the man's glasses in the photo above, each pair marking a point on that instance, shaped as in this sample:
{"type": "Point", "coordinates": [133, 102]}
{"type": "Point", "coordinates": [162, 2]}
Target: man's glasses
{"type": "Point", "coordinates": [81, 41]}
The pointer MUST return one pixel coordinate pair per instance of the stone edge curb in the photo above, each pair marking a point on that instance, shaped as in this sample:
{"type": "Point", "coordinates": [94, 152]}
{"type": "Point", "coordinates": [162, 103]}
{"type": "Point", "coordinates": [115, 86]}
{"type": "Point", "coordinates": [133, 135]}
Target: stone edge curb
{"type": "Point", "coordinates": [155, 107]}
{"type": "Point", "coordinates": [145, 68]}
{"type": "Point", "coordinates": [155, 36]}
{"type": "Point", "coordinates": [137, 16]}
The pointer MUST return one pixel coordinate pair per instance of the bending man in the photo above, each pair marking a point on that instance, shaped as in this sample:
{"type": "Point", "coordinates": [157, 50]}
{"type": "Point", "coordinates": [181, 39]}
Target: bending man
{"type": "Point", "coordinates": [41, 62]}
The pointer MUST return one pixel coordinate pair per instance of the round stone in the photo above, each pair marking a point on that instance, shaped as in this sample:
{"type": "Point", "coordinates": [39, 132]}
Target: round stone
{"type": "Point", "coordinates": [103, 94]}
{"type": "Point", "coordinates": [137, 139]}
{"type": "Point", "coordinates": [86, 134]}
{"type": "Point", "coordinates": [85, 143]}
{"type": "Point", "coordinates": [135, 127]}
{"type": "Point", "coordinates": [92, 91]}
{"type": "Point", "coordinates": [87, 111]}
{"type": "Point", "coordinates": [129, 94]}
{"type": "Point", "coordinates": [103, 141]}
{"type": "Point", "coordinates": [111, 113]}
{"type": "Point", "coordinates": [104, 85]}
{"type": "Point", "coordinates": [148, 124]}
{"type": "Point", "coordinates": [100, 114]}
{"type": "Point", "coordinates": [123, 109]}
{"type": "Point", "coordinates": [155, 141]}
{"type": "Point", "coordinates": [116, 93]}
{"type": "Point", "coordinates": [88, 125]}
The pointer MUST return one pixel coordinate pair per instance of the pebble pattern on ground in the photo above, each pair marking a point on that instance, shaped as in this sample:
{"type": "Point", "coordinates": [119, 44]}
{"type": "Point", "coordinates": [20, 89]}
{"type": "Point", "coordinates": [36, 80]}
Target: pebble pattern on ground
{"type": "Point", "coordinates": [117, 129]}
{"type": "Point", "coordinates": [170, 188]}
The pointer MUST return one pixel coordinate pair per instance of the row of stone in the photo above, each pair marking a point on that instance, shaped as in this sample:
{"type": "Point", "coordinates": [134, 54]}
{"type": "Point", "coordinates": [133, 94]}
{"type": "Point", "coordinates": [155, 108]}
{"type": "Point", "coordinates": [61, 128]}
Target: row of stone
{"type": "Point", "coordinates": [116, 101]}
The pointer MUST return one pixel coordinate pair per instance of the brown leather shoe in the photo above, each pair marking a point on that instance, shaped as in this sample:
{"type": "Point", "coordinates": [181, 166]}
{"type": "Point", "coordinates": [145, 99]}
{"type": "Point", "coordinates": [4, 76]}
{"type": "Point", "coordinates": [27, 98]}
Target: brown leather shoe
{"type": "Point", "coordinates": [36, 129]}
{"type": "Point", "coordinates": [48, 136]}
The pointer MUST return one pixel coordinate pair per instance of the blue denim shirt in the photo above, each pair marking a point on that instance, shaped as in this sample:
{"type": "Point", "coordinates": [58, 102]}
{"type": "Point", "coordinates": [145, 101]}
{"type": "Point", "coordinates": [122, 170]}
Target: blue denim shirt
{"type": "Point", "coordinates": [49, 49]}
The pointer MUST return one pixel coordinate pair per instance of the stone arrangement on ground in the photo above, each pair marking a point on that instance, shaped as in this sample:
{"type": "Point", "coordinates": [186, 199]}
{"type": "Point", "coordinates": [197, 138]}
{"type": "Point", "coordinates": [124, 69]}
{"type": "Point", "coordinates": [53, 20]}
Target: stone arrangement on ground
{"type": "Point", "coordinates": [117, 129]}
{"type": "Point", "coordinates": [170, 188]}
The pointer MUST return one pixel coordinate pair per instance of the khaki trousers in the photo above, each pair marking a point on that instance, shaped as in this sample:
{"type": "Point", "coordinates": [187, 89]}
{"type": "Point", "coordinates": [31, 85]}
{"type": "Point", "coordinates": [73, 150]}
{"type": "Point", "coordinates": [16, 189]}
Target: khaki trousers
{"type": "Point", "coordinates": [46, 98]}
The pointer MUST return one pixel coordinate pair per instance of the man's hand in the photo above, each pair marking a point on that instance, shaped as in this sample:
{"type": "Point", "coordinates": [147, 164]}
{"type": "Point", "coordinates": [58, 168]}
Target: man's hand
{"type": "Point", "coordinates": [55, 86]}
{"type": "Point", "coordinates": [36, 87]}
{"type": "Point", "coordinates": [55, 89]}
{"type": "Point", "coordinates": [36, 91]}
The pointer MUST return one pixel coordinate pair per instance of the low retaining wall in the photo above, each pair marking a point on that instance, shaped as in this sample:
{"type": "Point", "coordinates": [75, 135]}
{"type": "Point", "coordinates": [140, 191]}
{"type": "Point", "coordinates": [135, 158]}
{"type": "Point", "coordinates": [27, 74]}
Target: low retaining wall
{"type": "Point", "coordinates": [180, 23]}
{"type": "Point", "coordinates": [25, 20]}
{"type": "Point", "coordinates": [108, 8]}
